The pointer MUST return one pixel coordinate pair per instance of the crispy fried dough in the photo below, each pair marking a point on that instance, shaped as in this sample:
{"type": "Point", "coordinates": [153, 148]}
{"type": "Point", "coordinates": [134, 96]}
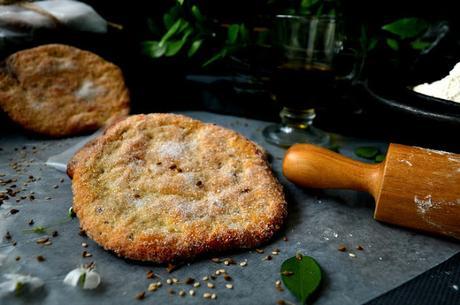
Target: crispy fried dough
{"type": "Point", "coordinates": [58, 90]}
{"type": "Point", "coordinates": [165, 187]}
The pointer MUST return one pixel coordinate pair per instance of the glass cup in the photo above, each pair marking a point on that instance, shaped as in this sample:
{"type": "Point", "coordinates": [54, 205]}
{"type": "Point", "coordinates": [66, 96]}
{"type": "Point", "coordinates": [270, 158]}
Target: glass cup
{"type": "Point", "coordinates": [302, 77]}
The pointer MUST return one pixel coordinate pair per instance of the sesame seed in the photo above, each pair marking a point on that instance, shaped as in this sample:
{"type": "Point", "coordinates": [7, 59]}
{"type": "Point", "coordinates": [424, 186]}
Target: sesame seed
{"type": "Point", "coordinates": [244, 264]}
{"type": "Point", "coordinates": [84, 245]}
{"type": "Point", "coordinates": [152, 287]}
{"type": "Point", "coordinates": [169, 281]}
{"type": "Point", "coordinates": [182, 293]}
{"type": "Point", "coordinates": [174, 280]}
{"type": "Point", "coordinates": [211, 285]}
{"type": "Point", "coordinates": [140, 295]}
{"type": "Point", "coordinates": [206, 295]}
{"type": "Point", "coordinates": [342, 248]}
{"type": "Point", "coordinates": [287, 273]}
{"type": "Point", "coordinates": [260, 251]}
{"type": "Point", "coordinates": [213, 296]}
{"type": "Point", "coordinates": [42, 240]}
{"type": "Point", "coordinates": [196, 284]}
{"type": "Point", "coordinates": [205, 278]}
{"type": "Point", "coordinates": [227, 277]}
{"type": "Point", "coordinates": [351, 254]}
{"type": "Point", "coordinates": [189, 281]}
{"type": "Point", "coordinates": [229, 286]}
{"type": "Point", "coordinates": [191, 292]}
{"type": "Point", "coordinates": [150, 274]}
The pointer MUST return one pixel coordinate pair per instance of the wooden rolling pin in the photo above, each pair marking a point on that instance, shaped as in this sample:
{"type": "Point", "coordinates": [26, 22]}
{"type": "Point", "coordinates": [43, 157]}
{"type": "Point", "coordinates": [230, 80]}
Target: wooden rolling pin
{"type": "Point", "coordinates": [414, 187]}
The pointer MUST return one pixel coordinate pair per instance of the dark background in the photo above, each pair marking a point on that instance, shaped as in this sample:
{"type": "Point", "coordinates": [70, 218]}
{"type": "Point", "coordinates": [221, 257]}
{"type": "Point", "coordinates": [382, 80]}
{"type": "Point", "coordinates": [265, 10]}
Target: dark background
{"type": "Point", "coordinates": [165, 85]}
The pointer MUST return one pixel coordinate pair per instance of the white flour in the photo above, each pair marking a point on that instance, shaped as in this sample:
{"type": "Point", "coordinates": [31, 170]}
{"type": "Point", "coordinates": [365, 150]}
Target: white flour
{"type": "Point", "coordinates": [447, 88]}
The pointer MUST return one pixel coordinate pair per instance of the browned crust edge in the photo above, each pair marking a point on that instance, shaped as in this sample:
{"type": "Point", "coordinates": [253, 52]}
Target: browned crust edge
{"type": "Point", "coordinates": [215, 244]}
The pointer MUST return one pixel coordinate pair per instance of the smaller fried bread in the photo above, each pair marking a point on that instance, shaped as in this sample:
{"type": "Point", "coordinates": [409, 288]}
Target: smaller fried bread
{"type": "Point", "coordinates": [58, 90]}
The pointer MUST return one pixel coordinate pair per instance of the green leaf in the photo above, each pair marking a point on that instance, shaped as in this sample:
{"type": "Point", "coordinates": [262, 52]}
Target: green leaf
{"type": "Point", "coordinates": [154, 49]}
{"type": "Point", "coordinates": [181, 2]}
{"type": "Point", "coordinates": [379, 158]}
{"type": "Point", "coordinates": [244, 33]}
{"type": "Point", "coordinates": [372, 44]}
{"type": "Point", "coordinates": [407, 27]}
{"type": "Point", "coordinates": [301, 275]}
{"type": "Point", "coordinates": [219, 55]}
{"type": "Point", "coordinates": [367, 152]}
{"type": "Point", "coordinates": [197, 13]}
{"type": "Point", "coordinates": [172, 30]}
{"type": "Point", "coordinates": [393, 44]}
{"type": "Point", "coordinates": [174, 47]}
{"type": "Point", "coordinates": [308, 3]}
{"type": "Point", "coordinates": [168, 20]}
{"type": "Point", "coordinates": [232, 33]}
{"type": "Point", "coordinates": [420, 45]}
{"type": "Point", "coordinates": [39, 229]}
{"type": "Point", "coordinates": [194, 47]}
{"type": "Point", "coordinates": [82, 279]}
{"type": "Point", "coordinates": [19, 288]}
{"type": "Point", "coordinates": [171, 16]}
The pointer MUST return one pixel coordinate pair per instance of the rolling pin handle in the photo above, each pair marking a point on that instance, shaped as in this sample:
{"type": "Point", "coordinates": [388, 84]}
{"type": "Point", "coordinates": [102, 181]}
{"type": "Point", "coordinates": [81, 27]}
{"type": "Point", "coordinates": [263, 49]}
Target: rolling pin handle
{"type": "Point", "coordinates": [316, 167]}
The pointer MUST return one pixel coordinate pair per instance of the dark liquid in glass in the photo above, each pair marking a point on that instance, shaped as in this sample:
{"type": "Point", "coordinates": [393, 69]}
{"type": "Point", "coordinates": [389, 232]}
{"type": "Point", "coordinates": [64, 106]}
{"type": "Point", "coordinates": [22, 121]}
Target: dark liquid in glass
{"type": "Point", "coordinates": [302, 86]}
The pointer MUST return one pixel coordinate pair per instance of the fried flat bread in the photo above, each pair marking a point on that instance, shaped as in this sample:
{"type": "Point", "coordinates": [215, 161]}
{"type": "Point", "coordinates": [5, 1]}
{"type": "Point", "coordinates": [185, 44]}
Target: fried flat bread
{"type": "Point", "coordinates": [58, 90]}
{"type": "Point", "coordinates": [165, 187]}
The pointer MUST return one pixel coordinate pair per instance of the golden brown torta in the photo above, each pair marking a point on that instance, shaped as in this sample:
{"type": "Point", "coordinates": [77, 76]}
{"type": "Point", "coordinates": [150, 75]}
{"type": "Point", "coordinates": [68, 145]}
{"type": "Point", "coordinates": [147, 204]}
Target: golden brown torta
{"type": "Point", "coordinates": [59, 90]}
{"type": "Point", "coordinates": [165, 187]}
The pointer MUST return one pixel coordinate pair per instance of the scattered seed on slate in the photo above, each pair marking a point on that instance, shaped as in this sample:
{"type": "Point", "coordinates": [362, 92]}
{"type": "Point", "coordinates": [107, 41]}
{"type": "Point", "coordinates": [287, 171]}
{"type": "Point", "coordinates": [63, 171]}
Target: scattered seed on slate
{"type": "Point", "coordinates": [8, 235]}
{"type": "Point", "coordinates": [189, 281]}
{"type": "Point", "coordinates": [150, 274]}
{"type": "Point", "coordinates": [40, 258]}
{"type": "Point", "coordinates": [342, 248]}
{"type": "Point", "coordinates": [140, 295]}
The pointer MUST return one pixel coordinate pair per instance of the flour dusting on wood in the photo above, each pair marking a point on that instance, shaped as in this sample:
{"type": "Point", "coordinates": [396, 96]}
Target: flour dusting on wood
{"type": "Point", "coordinates": [424, 204]}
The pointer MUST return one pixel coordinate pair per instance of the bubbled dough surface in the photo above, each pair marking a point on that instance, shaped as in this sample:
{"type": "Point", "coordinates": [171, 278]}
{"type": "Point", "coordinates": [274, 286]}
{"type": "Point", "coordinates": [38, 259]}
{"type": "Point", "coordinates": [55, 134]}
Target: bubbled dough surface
{"type": "Point", "coordinates": [164, 187]}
